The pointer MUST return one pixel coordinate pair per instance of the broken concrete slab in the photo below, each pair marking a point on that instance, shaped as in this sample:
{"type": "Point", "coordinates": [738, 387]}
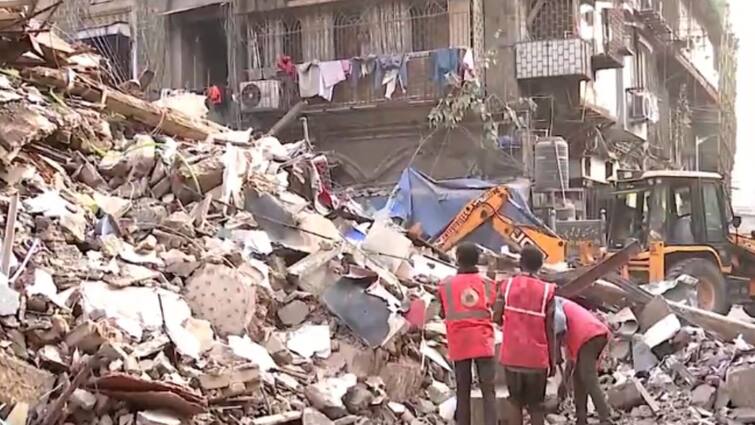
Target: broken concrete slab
{"type": "Point", "coordinates": [653, 312]}
{"type": "Point", "coordinates": [703, 396]}
{"type": "Point", "coordinates": [402, 379]}
{"type": "Point", "coordinates": [87, 337]}
{"type": "Point", "coordinates": [326, 395]}
{"type": "Point", "coordinates": [626, 395]}
{"type": "Point", "coordinates": [438, 392]}
{"type": "Point", "coordinates": [740, 386]}
{"type": "Point", "coordinates": [293, 313]}
{"type": "Point", "coordinates": [310, 340]}
{"type": "Point", "coordinates": [358, 398]}
{"type": "Point", "coordinates": [389, 245]}
{"type": "Point", "coordinates": [314, 417]}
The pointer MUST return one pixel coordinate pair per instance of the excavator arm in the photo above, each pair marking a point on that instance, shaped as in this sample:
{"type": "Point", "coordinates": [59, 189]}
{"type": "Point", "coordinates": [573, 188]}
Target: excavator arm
{"type": "Point", "coordinates": [488, 207]}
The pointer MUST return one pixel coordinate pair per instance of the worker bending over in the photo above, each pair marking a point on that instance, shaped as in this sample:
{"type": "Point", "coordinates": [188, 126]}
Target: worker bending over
{"type": "Point", "coordinates": [584, 337]}
{"type": "Point", "coordinates": [466, 301]}
{"type": "Point", "coordinates": [525, 305]}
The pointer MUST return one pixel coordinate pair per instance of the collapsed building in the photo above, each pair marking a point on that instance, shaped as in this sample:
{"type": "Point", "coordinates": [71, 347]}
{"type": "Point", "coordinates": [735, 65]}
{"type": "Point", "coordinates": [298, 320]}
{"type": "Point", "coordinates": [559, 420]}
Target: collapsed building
{"type": "Point", "coordinates": [640, 84]}
{"type": "Point", "coordinates": [160, 268]}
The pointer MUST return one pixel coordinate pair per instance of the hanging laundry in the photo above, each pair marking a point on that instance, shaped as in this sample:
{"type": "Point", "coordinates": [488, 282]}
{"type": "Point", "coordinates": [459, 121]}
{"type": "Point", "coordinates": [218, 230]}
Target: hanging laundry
{"type": "Point", "coordinates": [445, 62]}
{"type": "Point", "coordinates": [319, 78]}
{"type": "Point", "coordinates": [310, 79]}
{"type": "Point", "coordinates": [362, 67]}
{"type": "Point", "coordinates": [332, 74]}
{"type": "Point", "coordinates": [391, 72]}
{"type": "Point", "coordinates": [287, 66]}
{"type": "Point", "coordinates": [346, 65]}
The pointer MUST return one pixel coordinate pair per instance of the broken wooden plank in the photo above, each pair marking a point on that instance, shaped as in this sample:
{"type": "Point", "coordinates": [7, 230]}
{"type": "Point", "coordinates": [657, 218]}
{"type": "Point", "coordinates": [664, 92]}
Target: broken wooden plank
{"type": "Point", "coordinates": [171, 122]}
{"type": "Point", "coordinates": [10, 235]}
{"type": "Point", "coordinates": [280, 418]}
{"type": "Point", "coordinates": [288, 118]}
{"type": "Point", "coordinates": [724, 327]}
{"type": "Point", "coordinates": [607, 265]}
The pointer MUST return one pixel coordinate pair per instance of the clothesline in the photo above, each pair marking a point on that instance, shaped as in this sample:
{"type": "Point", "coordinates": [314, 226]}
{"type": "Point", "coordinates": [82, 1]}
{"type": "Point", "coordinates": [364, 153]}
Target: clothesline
{"type": "Point", "coordinates": [319, 78]}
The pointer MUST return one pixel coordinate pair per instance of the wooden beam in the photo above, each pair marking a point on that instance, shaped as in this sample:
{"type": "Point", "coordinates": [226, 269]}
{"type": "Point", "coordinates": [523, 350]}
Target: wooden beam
{"type": "Point", "coordinates": [597, 271]}
{"type": "Point", "coordinates": [171, 122]}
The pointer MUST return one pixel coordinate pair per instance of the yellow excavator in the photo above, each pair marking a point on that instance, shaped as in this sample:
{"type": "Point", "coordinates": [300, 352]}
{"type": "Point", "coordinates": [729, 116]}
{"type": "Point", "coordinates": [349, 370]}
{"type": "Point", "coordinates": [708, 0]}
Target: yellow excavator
{"type": "Point", "coordinates": [490, 207]}
{"type": "Point", "coordinates": [683, 221]}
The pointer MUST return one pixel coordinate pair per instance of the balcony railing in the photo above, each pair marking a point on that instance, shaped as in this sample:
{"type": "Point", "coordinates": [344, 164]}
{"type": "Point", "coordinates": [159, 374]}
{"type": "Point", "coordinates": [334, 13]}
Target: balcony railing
{"type": "Point", "coordinates": [408, 27]}
{"type": "Point", "coordinates": [571, 57]}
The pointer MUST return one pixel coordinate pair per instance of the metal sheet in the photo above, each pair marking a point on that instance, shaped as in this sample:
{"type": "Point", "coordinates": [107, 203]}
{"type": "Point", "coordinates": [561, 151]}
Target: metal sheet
{"type": "Point", "coordinates": [364, 314]}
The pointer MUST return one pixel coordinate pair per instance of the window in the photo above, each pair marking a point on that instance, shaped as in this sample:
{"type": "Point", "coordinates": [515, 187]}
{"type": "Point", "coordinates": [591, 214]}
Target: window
{"type": "Point", "coordinates": [681, 217]}
{"type": "Point", "coordinates": [292, 40]}
{"type": "Point", "coordinates": [628, 215]}
{"type": "Point", "coordinates": [430, 25]}
{"type": "Point", "coordinates": [348, 34]}
{"type": "Point", "coordinates": [714, 223]}
{"type": "Point", "coordinates": [641, 66]}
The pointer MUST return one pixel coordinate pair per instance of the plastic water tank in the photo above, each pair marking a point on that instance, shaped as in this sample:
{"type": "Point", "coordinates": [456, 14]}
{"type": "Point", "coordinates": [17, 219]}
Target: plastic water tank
{"type": "Point", "coordinates": [551, 164]}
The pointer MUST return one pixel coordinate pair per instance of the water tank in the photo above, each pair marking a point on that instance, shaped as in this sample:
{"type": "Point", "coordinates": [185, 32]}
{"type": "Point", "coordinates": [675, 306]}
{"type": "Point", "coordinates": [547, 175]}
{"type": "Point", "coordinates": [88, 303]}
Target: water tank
{"type": "Point", "coordinates": [551, 164]}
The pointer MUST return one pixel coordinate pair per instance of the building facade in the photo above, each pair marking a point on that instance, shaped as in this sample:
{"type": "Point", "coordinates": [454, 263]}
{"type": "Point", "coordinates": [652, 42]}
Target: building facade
{"type": "Point", "coordinates": [628, 84]}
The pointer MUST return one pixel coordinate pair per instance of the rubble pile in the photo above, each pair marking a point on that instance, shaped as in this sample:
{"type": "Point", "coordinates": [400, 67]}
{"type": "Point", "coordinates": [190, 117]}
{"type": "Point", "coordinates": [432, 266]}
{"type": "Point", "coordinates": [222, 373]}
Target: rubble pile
{"type": "Point", "coordinates": [160, 269]}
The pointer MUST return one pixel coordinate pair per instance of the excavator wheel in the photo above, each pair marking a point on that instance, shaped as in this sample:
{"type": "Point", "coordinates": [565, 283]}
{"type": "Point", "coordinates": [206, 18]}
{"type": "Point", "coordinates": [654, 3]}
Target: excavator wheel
{"type": "Point", "coordinates": [749, 309]}
{"type": "Point", "coordinates": [710, 291]}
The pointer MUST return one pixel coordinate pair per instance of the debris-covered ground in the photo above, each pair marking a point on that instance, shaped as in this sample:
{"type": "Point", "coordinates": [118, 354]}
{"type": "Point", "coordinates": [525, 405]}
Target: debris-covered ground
{"type": "Point", "coordinates": [160, 269]}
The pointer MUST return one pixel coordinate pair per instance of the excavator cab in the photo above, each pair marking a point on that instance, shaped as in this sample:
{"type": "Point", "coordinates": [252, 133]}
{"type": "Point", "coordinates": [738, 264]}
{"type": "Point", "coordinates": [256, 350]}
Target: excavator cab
{"type": "Point", "coordinates": [684, 222]}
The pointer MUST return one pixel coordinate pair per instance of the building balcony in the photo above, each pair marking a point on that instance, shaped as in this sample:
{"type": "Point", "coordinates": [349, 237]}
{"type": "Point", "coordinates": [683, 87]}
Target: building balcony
{"type": "Point", "coordinates": [570, 57]}
{"type": "Point", "coordinates": [415, 30]}
{"type": "Point", "coordinates": [611, 40]}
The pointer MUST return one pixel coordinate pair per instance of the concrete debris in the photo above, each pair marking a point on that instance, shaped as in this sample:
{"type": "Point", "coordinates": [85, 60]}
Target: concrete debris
{"type": "Point", "coordinates": [158, 269]}
{"type": "Point", "coordinates": [740, 386]}
{"type": "Point", "coordinates": [293, 313]}
{"type": "Point", "coordinates": [438, 392]}
{"type": "Point", "coordinates": [703, 396]}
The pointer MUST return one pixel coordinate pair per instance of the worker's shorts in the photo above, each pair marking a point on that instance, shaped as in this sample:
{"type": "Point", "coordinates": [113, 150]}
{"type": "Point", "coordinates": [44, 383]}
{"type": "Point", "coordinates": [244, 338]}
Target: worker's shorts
{"type": "Point", "coordinates": [527, 388]}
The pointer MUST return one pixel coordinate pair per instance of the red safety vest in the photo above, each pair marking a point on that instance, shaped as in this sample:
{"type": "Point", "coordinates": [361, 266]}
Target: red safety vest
{"type": "Point", "coordinates": [467, 299]}
{"type": "Point", "coordinates": [525, 342]}
{"type": "Point", "coordinates": [581, 326]}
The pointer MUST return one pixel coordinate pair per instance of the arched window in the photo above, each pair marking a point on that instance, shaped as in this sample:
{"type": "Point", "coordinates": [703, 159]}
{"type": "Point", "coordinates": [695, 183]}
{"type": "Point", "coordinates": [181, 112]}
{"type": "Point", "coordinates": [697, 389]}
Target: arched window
{"type": "Point", "coordinates": [431, 22]}
{"type": "Point", "coordinates": [292, 40]}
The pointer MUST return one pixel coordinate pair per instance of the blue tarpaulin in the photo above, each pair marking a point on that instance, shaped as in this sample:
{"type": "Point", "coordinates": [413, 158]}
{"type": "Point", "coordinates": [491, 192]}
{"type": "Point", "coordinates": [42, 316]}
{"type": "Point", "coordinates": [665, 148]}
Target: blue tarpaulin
{"type": "Point", "coordinates": [420, 199]}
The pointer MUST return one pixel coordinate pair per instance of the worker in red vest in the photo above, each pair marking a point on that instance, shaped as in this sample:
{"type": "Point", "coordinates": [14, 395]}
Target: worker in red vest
{"type": "Point", "coordinates": [466, 301]}
{"type": "Point", "coordinates": [584, 337]}
{"type": "Point", "coordinates": [528, 350]}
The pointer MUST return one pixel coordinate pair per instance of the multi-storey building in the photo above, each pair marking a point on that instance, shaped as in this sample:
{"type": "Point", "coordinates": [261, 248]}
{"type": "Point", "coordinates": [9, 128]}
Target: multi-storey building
{"type": "Point", "coordinates": [639, 84]}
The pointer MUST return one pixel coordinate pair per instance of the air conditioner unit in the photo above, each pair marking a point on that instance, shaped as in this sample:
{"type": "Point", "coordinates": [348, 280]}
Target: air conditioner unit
{"type": "Point", "coordinates": [592, 168]}
{"type": "Point", "coordinates": [262, 95]}
{"type": "Point", "coordinates": [642, 106]}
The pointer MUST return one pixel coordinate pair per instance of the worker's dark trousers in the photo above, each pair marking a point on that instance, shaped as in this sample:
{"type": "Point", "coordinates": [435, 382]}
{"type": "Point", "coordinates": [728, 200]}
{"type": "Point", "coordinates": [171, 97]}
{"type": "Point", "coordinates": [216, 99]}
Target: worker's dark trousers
{"type": "Point", "coordinates": [486, 373]}
{"type": "Point", "coordinates": [586, 381]}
